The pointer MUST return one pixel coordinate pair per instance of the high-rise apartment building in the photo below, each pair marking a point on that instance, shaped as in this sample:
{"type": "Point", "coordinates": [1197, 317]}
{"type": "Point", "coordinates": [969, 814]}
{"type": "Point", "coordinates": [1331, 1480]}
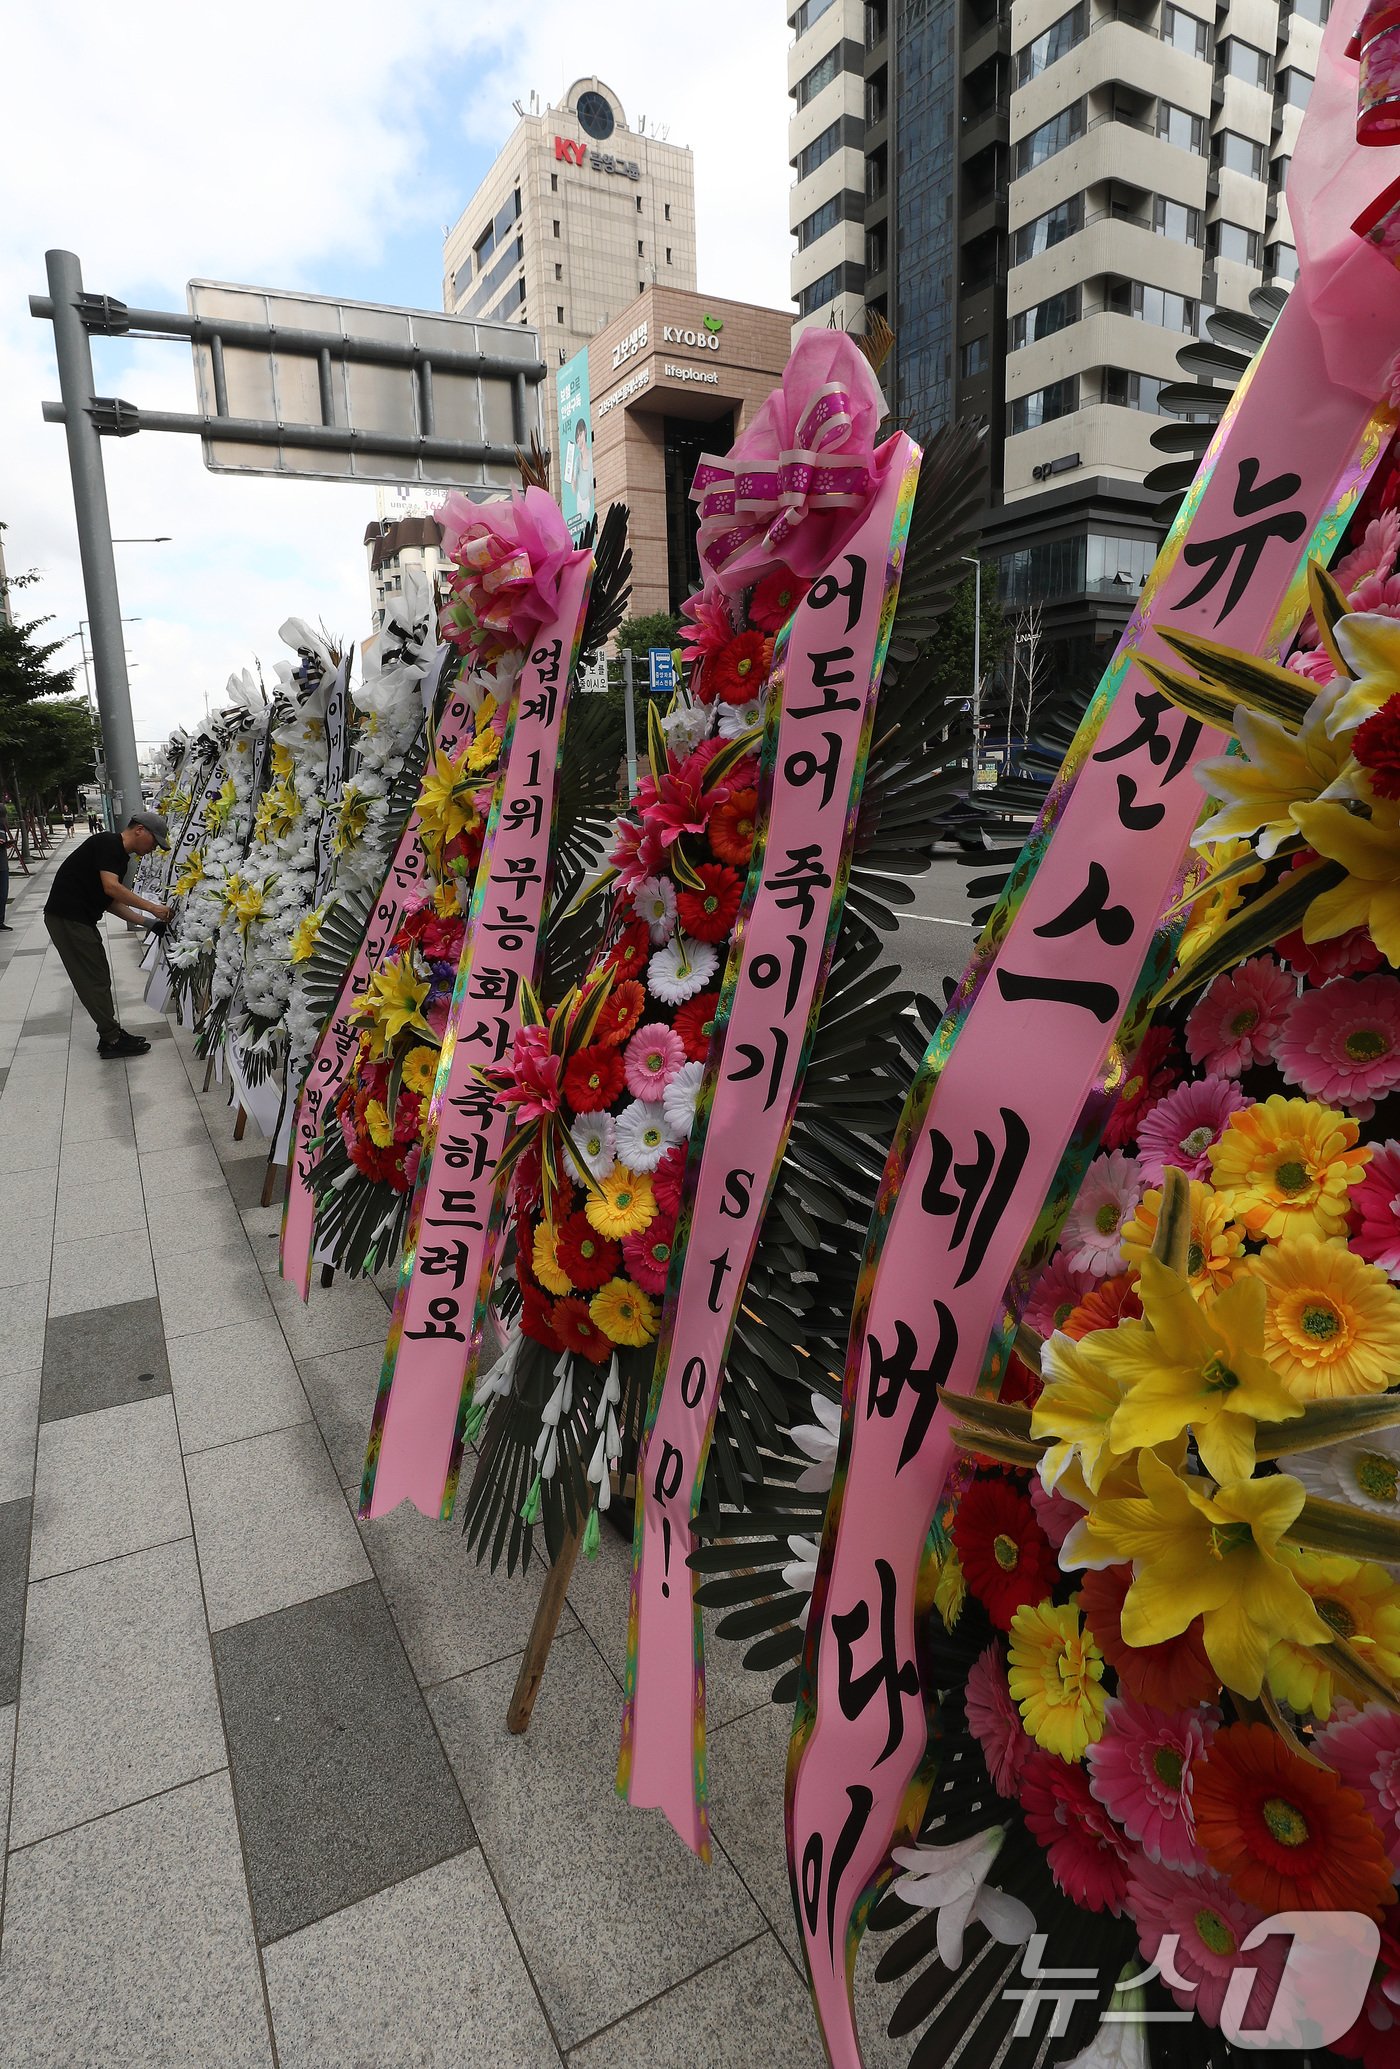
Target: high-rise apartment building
{"type": "Point", "coordinates": [1055, 200]}
{"type": "Point", "coordinates": [578, 216]}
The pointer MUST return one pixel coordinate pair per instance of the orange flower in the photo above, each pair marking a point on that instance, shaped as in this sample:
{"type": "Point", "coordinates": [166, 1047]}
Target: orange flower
{"type": "Point", "coordinates": [1286, 1833]}
{"type": "Point", "coordinates": [621, 1013]}
{"type": "Point", "coordinates": [732, 827]}
{"type": "Point", "coordinates": [737, 671]}
{"type": "Point", "coordinates": [1103, 1307]}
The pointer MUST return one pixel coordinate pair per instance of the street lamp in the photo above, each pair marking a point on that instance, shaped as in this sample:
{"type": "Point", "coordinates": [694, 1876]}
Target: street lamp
{"type": "Point", "coordinates": [159, 539]}
{"type": "Point", "coordinates": [974, 561]}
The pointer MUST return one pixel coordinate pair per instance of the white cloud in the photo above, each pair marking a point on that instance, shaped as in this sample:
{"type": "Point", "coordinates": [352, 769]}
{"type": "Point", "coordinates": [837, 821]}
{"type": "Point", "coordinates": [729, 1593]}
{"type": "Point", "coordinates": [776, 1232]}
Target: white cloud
{"type": "Point", "coordinates": [293, 146]}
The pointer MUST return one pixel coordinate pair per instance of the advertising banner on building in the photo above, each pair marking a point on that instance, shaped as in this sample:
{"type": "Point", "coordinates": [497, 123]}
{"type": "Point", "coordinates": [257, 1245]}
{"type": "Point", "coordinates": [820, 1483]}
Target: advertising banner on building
{"type": "Point", "coordinates": [575, 463]}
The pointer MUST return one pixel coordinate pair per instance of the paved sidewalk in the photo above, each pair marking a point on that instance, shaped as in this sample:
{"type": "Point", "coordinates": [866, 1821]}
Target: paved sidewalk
{"type": "Point", "coordinates": [263, 1805]}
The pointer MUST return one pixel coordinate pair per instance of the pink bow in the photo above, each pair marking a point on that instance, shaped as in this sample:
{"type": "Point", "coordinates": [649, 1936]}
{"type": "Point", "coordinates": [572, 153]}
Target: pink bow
{"type": "Point", "coordinates": [506, 560]}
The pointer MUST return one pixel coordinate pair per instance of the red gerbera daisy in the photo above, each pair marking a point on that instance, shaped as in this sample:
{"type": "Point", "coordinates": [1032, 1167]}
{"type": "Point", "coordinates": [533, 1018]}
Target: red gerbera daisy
{"type": "Point", "coordinates": [622, 1012]}
{"type": "Point", "coordinates": [648, 1253]}
{"type": "Point", "coordinates": [524, 1247]}
{"type": "Point", "coordinates": [695, 1024]}
{"type": "Point", "coordinates": [1286, 1833]}
{"type": "Point", "coordinates": [1087, 1854]}
{"type": "Point", "coordinates": [1173, 1676]}
{"type": "Point", "coordinates": [733, 826]}
{"type": "Point", "coordinates": [536, 1317]}
{"type": "Point", "coordinates": [1152, 1074]}
{"type": "Point", "coordinates": [593, 1078]}
{"type": "Point", "coordinates": [589, 1259]}
{"type": "Point", "coordinates": [628, 954]}
{"type": "Point", "coordinates": [708, 915]}
{"type": "Point", "coordinates": [1376, 745]}
{"type": "Point", "coordinates": [775, 599]}
{"type": "Point", "coordinates": [1006, 1557]}
{"type": "Point", "coordinates": [1019, 1383]}
{"type": "Point", "coordinates": [666, 1181]}
{"type": "Point", "coordinates": [577, 1331]}
{"type": "Point", "coordinates": [736, 672]}
{"type": "Point", "coordinates": [1104, 1307]}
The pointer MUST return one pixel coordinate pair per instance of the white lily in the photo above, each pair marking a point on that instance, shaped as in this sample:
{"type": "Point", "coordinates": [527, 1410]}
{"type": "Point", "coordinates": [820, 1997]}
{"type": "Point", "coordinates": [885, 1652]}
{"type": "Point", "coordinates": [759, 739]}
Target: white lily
{"type": "Point", "coordinates": [800, 1573]}
{"type": "Point", "coordinates": [952, 1880]}
{"type": "Point", "coordinates": [818, 1439]}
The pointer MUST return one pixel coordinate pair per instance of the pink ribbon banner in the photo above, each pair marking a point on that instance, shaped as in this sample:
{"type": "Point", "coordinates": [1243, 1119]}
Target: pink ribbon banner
{"type": "Point", "coordinates": [416, 1439]}
{"type": "Point", "coordinates": [1016, 1062]}
{"type": "Point", "coordinates": [826, 679]}
{"type": "Point", "coordinates": [404, 885]}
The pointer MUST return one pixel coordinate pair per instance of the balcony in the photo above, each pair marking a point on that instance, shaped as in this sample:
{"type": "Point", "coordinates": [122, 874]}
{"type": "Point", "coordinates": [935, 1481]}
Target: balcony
{"type": "Point", "coordinates": [987, 127]}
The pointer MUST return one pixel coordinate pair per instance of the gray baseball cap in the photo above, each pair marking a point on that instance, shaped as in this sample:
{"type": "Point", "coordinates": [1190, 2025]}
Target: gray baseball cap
{"type": "Point", "coordinates": [154, 825]}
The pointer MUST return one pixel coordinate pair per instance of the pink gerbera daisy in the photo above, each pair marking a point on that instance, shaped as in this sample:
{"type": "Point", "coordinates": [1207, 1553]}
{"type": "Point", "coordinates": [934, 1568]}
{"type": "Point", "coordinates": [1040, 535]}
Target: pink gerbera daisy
{"type": "Point", "coordinates": [995, 1722]}
{"type": "Point", "coordinates": [1087, 1854]}
{"type": "Point", "coordinates": [1347, 955]}
{"type": "Point", "coordinates": [1182, 1126]}
{"type": "Point", "coordinates": [1140, 1771]}
{"type": "Point", "coordinates": [1375, 1210]}
{"type": "Point", "coordinates": [1055, 1295]}
{"type": "Point", "coordinates": [1208, 1925]}
{"type": "Point", "coordinates": [1234, 1025]}
{"type": "Point", "coordinates": [1092, 1234]}
{"type": "Point", "coordinates": [1342, 1044]}
{"type": "Point", "coordinates": [651, 1059]}
{"type": "Point", "coordinates": [1313, 665]}
{"type": "Point", "coordinates": [1375, 556]}
{"type": "Point", "coordinates": [1365, 1751]}
{"type": "Point", "coordinates": [1055, 1513]}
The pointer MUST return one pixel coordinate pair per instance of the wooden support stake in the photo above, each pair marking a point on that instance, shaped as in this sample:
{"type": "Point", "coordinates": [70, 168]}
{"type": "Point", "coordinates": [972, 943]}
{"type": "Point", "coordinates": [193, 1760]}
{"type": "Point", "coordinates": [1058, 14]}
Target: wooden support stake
{"type": "Point", "coordinates": [542, 1630]}
{"type": "Point", "coordinates": [327, 1274]}
{"type": "Point", "coordinates": [274, 1179]}
{"type": "Point", "coordinates": [240, 1125]}
{"type": "Point", "coordinates": [209, 1071]}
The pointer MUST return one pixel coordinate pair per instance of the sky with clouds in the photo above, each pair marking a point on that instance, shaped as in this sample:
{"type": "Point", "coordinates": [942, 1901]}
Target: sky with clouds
{"type": "Point", "coordinates": [321, 149]}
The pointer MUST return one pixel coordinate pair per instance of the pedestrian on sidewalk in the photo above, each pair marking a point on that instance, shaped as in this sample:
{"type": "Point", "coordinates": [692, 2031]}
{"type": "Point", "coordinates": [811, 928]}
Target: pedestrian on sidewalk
{"type": "Point", "coordinates": [5, 928]}
{"type": "Point", "coordinates": [93, 881]}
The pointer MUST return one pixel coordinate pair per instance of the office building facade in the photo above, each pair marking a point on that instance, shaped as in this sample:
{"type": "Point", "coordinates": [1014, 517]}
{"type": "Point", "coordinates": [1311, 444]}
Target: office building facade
{"type": "Point", "coordinates": [1056, 200]}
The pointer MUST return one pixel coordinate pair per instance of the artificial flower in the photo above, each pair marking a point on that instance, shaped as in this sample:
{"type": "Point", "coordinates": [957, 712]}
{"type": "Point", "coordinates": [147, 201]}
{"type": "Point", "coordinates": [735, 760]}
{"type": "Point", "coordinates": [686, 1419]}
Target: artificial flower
{"type": "Point", "coordinates": [305, 935]}
{"type": "Point", "coordinates": [1341, 1044]}
{"type": "Point", "coordinates": [445, 807]}
{"type": "Point", "coordinates": [1056, 1513]}
{"type": "Point", "coordinates": [1358, 1601]}
{"type": "Point", "coordinates": [709, 914]}
{"type": "Point", "coordinates": [1140, 1771]}
{"type": "Point", "coordinates": [596, 1143]}
{"type": "Point", "coordinates": [1234, 1025]}
{"type": "Point", "coordinates": [695, 1024]}
{"type": "Point", "coordinates": [1056, 1293]}
{"type": "Point", "coordinates": [817, 1440]}
{"type": "Point", "coordinates": [735, 672]}
{"type": "Point", "coordinates": [1369, 851]}
{"type": "Point", "coordinates": [1345, 955]}
{"type": "Point", "coordinates": [1284, 1831]}
{"type": "Point", "coordinates": [800, 1573]}
{"type": "Point", "coordinates": [420, 1068]}
{"type": "Point", "coordinates": [1171, 1675]}
{"type": "Point", "coordinates": [1195, 1925]}
{"type": "Point", "coordinates": [950, 1593]}
{"type": "Point", "coordinates": [1182, 1126]}
{"type": "Point", "coordinates": [594, 1077]}
{"type": "Point", "coordinates": [1151, 1073]}
{"type": "Point", "coordinates": [1209, 1554]}
{"type": "Point", "coordinates": [733, 826]}
{"type": "Point", "coordinates": [531, 1083]}
{"type": "Point", "coordinates": [775, 599]}
{"type": "Point", "coordinates": [537, 1317]}
{"type": "Point", "coordinates": [588, 1259]}
{"type": "Point", "coordinates": [1092, 1233]}
{"type": "Point", "coordinates": [636, 853]}
{"type": "Point", "coordinates": [620, 1013]}
{"type": "Point", "coordinates": [674, 805]}
{"type": "Point", "coordinates": [1363, 1749]}
{"type": "Point", "coordinates": [577, 1331]}
{"type": "Point", "coordinates": [952, 1880]}
{"type": "Point", "coordinates": [1362, 1474]}
{"type": "Point", "coordinates": [1376, 746]}
{"type": "Point", "coordinates": [1260, 791]}
{"type": "Point", "coordinates": [1215, 1245]}
{"type": "Point", "coordinates": [381, 1128]}
{"type": "Point", "coordinates": [544, 1260]}
{"type": "Point", "coordinates": [651, 1059]}
{"type": "Point", "coordinates": [622, 1204]}
{"type": "Point", "coordinates": [643, 1135]}
{"type": "Point", "coordinates": [1104, 1306]}
{"type": "Point", "coordinates": [1084, 1850]}
{"type": "Point", "coordinates": [995, 1721]}
{"type": "Point", "coordinates": [1054, 1671]}
{"type": "Point", "coordinates": [734, 720]}
{"type": "Point", "coordinates": [1375, 1210]}
{"type": "Point", "coordinates": [654, 900]}
{"type": "Point", "coordinates": [648, 1255]}
{"type": "Point", "coordinates": [667, 1178]}
{"type": "Point", "coordinates": [392, 1004]}
{"type": "Point", "coordinates": [624, 1313]}
{"type": "Point", "coordinates": [1369, 643]}
{"type": "Point", "coordinates": [1208, 912]}
{"type": "Point", "coordinates": [706, 625]}
{"type": "Point", "coordinates": [1332, 1326]}
{"type": "Point", "coordinates": [679, 1099]}
{"type": "Point", "coordinates": [1374, 554]}
{"type": "Point", "coordinates": [1286, 1167]}
{"type": "Point", "coordinates": [1084, 1387]}
{"type": "Point", "coordinates": [1005, 1555]}
{"type": "Point", "coordinates": [627, 956]}
{"type": "Point", "coordinates": [680, 969]}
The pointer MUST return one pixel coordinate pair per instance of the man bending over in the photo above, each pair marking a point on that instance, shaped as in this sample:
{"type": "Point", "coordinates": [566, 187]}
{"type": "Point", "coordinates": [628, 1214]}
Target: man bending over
{"type": "Point", "coordinates": [91, 882]}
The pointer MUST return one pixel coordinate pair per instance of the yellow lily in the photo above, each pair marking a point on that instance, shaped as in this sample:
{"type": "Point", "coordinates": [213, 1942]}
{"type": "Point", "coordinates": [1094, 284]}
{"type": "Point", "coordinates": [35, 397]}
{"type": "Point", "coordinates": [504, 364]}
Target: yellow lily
{"type": "Point", "coordinates": [1083, 1391]}
{"type": "Point", "coordinates": [1205, 1551]}
{"type": "Point", "coordinates": [1186, 1366]}
{"type": "Point", "coordinates": [445, 805]}
{"type": "Point", "coordinates": [191, 873]}
{"type": "Point", "coordinates": [1370, 646]}
{"type": "Point", "coordinates": [282, 763]}
{"type": "Point", "coordinates": [304, 935]}
{"type": "Point", "coordinates": [1369, 851]}
{"type": "Point", "coordinates": [351, 818]}
{"type": "Point", "coordinates": [1208, 913]}
{"type": "Point", "coordinates": [1277, 770]}
{"type": "Point", "coordinates": [393, 1001]}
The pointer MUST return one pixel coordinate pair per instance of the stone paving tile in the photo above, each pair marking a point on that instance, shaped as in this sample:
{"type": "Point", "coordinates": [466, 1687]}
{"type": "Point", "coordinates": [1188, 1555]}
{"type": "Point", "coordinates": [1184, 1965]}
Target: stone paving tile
{"type": "Point", "coordinates": [128, 1942]}
{"type": "Point", "coordinates": [233, 1383]}
{"type": "Point", "coordinates": [452, 1614]}
{"type": "Point", "coordinates": [117, 1698]}
{"type": "Point", "coordinates": [385, 1982]}
{"type": "Point", "coordinates": [746, 1769]}
{"type": "Point", "coordinates": [335, 1318]}
{"type": "Point", "coordinates": [97, 1359]}
{"type": "Point", "coordinates": [133, 1455]}
{"type": "Point", "coordinates": [97, 1165]}
{"type": "Point", "coordinates": [19, 1422]}
{"type": "Point", "coordinates": [101, 1272]}
{"type": "Point", "coordinates": [186, 1169]}
{"type": "Point", "coordinates": [341, 1783]}
{"type": "Point", "coordinates": [181, 1222]}
{"type": "Point", "coordinates": [7, 1753]}
{"type": "Point", "coordinates": [577, 1868]}
{"type": "Point", "coordinates": [272, 1525]}
{"type": "Point", "coordinates": [14, 1566]}
{"type": "Point", "coordinates": [342, 1387]}
{"type": "Point", "coordinates": [245, 1183]}
{"type": "Point", "coordinates": [263, 1228]}
{"type": "Point", "coordinates": [748, 2008]}
{"type": "Point", "coordinates": [209, 1287]}
{"type": "Point", "coordinates": [86, 1210]}
{"type": "Point", "coordinates": [22, 1316]}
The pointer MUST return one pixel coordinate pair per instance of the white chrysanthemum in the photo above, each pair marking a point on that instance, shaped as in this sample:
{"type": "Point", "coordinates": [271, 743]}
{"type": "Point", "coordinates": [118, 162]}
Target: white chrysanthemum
{"type": "Point", "coordinates": [681, 969]}
{"type": "Point", "coordinates": [654, 901]}
{"type": "Point", "coordinates": [596, 1138]}
{"type": "Point", "coordinates": [678, 1099]}
{"type": "Point", "coordinates": [739, 718]}
{"type": "Point", "coordinates": [644, 1134]}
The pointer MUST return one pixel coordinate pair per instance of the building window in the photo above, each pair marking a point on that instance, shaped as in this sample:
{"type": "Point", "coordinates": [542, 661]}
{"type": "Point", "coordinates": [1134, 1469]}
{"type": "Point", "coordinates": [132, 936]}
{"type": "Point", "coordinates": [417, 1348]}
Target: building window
{"type": "Point", "coordinates": [1243, 61]}
{"type": "Point", "coordinates": [1044, 405]}
{"type": "Point", "coordinates": [1180, 127]}
{"type": "Point", "coordinates": [1117, 563]}
{"type": "Point", "coordinates": [1060, 37]}
{"type": "Point", "coordinates": [1052, 136]}
{"type": "Point", "coordinates": [1296, 87]}
{"type": "Point", "coordinates": [1046, 318]}
{"type": "Point", "coordinates": [818, 151]}
{"type": "Point", "coordinates": [558, 312]}
{"type": "Point", "coordinates": [1175, 220]}
{"type": "Point", "coordinates": [821, 75]}
{"type": "Point", "coordinates": [1152, 305]}
{"type": "Point", "coordinates": [640, 252]}
{"type": "Point", "coordinates": [556, 226]}
{"type": "Point", "coordinates": [976, 358]}
{"type": "Point", "coordinates": [1236, 153]}
{"type": "Point", "coordinates": [1130, 391]}
{"type": "Point", "coordinates": [819, 222]}
{"type": "Point", "coordinates": [1041, 574]}
{"type": "Point", "coordinates": [1313, 11]}
{"type": "Point", "coordinates": [1231, 241]}
{"type": "Point", "coordinates": [820, 292]}
{"type": "Point", "coordinates": [641, 287]}
{"type": "Point", "coordinates": [1052, 228]}
{"type": "Point", "coordinates": [639, 204]}
{"type": "Point", "coordinates": [1184, 32]}
{"type": "Point", "coordinates": [558, 270]}
{"type": "Point", "coordinates": [668, 255]}
{"type": "Point", "coordinates": [1282, 262]}
{"type": "Point", "coordinates": [666, 210]}
{"type": "Point", "coordinates": [554, 183]}
{"type": "Point", "coordinates": [810, 11]}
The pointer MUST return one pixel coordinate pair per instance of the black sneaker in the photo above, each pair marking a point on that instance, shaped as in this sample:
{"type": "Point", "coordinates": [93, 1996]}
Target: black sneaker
{"type": "Point", "coordinates": [124, 1045]}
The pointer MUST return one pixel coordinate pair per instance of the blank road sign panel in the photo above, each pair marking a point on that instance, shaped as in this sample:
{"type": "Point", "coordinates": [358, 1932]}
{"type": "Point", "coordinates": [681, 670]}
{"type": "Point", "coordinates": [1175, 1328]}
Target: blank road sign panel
{"type": "Point", "coordinates": [284, 387]}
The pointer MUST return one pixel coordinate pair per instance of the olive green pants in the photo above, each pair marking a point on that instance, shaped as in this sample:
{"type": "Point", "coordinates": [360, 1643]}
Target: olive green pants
{"type": "Point", "coordinates": [84, 956]}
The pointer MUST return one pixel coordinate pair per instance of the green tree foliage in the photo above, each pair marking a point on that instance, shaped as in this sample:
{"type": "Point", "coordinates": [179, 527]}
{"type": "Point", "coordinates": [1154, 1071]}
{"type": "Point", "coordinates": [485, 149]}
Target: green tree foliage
{"type": "Point", "coordinates": [47, 739]}
{"type": "Point", "coordinates": [639, 635]}
{"type": "Point", "coordinates": [952, 654]}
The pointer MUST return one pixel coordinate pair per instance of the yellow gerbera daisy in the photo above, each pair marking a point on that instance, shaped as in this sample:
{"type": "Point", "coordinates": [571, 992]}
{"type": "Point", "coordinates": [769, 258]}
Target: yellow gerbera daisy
{"type": "Point", "coordinates": [1055, 1674]}
{"type": "Point", "coordinates": [420, 1070]}
{"type": "Point", "coordinates": [624, 1313]}
{"type": "Point", "coordinates": [483, 752]}
{"type": "Point", "coordinates": [1215, 1252]}
{"type": "Point", "coordinates": [1358, 1601]}
{"type": "Point", "coordinates": [622, 1203]}
{"type": "Point", "coordinates": [1285, 1167]}
{"type": "Point", "coordinates": [381, 1128]}
{"type": "Point", "coordinates": [545, 1259]}
{"type": "Point", "coordinates": [1332, 1326]}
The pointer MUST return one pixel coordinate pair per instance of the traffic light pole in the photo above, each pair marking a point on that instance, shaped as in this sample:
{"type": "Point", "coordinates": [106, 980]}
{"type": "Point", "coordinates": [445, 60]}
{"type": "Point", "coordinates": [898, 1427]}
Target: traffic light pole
{"type": "Point", "coordinates": [74, 353]}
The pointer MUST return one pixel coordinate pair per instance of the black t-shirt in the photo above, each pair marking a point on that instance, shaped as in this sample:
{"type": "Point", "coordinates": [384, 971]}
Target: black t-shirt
{"type": "Point", "coordinates": [76, 892]}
